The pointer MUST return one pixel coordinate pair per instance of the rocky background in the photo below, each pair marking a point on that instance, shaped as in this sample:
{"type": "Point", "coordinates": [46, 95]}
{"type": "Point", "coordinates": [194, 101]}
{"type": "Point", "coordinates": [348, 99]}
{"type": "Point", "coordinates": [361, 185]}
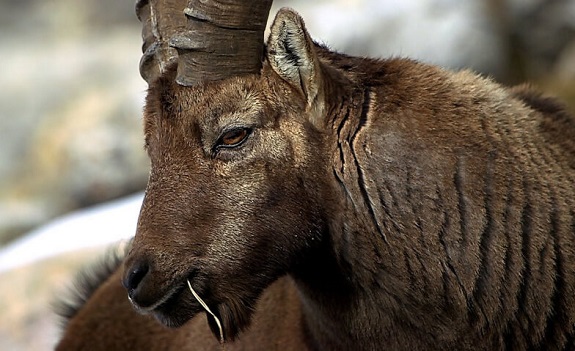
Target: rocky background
{"type": "Point", "coordinates": [71, 98]}
{"type": "Point", "coordinates": [69, 109]}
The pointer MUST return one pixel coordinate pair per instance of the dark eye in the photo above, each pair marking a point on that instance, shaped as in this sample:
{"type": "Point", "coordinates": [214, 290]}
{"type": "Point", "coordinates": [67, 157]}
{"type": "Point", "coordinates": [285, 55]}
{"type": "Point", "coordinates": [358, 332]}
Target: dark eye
{"type": "Point", "coordinates": [233, 138]}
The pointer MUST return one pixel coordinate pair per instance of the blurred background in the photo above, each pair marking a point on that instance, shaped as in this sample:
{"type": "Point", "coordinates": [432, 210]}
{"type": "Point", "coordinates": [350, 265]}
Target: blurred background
{"type": "Point", "coordinates": [72, 165]}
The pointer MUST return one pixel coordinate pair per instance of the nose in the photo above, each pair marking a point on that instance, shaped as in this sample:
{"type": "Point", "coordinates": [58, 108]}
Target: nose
{"type": "Point", "coordinates": [134, 276]}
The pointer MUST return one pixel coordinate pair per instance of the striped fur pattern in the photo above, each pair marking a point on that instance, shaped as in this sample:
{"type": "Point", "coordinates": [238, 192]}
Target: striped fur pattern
{"type": "Point", "coordinates": [473, 194]}
{"type": "Point", "coordinates": [401, 206]}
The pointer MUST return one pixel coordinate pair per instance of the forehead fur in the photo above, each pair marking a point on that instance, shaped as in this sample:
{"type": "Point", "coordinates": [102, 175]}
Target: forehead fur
{"type": "Point", "coordinates": [205, 103]}
{"type": "Point", "coordinates": [166, 98]}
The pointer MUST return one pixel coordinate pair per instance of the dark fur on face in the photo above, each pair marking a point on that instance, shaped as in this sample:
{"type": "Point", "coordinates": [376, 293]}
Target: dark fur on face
{"type": "Point", "coordinates": [381, 204]}
{"type": "Point", "coordinates": [214, 229]}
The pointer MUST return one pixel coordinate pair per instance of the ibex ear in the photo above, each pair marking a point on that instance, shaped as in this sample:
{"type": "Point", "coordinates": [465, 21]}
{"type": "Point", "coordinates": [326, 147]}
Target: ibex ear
{"type": "Point", "coordinates": [292, 56]}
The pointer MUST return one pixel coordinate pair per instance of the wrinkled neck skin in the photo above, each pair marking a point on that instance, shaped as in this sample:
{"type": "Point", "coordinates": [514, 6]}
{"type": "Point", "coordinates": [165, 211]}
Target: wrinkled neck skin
{"type": "Point", "coordinates": [335, 306]}
{"type": "Point", "coordinates": [341, 283]}
{"type": "Point", "coordinates": [348, 295]}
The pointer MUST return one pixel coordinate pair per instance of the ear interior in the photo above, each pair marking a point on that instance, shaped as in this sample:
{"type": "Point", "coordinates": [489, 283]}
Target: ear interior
{"type": "Point", "coordinates": [292, 56]}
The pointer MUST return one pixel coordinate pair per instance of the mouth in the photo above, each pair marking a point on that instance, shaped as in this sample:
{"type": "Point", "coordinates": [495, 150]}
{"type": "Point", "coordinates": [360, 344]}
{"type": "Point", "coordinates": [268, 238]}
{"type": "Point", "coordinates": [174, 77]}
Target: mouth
{"type": "Point", "coordinates": [177, 307]}
{"type": "Point", "coordinates": [164, 300]}
{"type": "Point", "coordinates": [174, 308]}
{"type": "Point", "coordinates": [228, 307]}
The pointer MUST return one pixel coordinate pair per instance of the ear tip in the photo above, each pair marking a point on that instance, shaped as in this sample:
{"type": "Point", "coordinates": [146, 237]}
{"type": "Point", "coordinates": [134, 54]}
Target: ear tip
{"type": "Point", "coordinates": [287, 14]}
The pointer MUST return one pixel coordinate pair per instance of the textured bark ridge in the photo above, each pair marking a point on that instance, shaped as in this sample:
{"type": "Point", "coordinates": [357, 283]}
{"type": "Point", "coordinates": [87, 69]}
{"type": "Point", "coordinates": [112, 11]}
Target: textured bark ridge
{"type": "Point", "coordinates": [210, 39]}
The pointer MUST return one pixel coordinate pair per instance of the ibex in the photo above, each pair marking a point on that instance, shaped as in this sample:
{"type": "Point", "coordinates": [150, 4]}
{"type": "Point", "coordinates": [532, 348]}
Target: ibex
{"type": "Point", "coordinates": [318, 201]}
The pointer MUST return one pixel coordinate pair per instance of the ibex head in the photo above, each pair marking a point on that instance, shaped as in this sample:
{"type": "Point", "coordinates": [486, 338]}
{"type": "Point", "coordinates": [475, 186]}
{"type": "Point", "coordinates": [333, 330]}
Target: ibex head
{"type": "Point", "coordinates": [235, 194]}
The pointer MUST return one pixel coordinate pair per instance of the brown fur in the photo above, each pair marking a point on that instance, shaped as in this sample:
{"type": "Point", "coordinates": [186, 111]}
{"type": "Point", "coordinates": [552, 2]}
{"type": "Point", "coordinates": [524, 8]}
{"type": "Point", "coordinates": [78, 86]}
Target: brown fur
{"type": "Point", "coordinates": [395, 205]}
{"type": "Point", "coordinates": [108, 322]}
{"type": "Point", "coordinates": [85, 283]}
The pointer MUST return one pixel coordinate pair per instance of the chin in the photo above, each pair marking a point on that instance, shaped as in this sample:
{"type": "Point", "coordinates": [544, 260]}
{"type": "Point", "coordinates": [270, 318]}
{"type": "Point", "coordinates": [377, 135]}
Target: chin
{"type": "Point", "coordinates": [234, 314]}
{"type": "Point", "coordinates": [172, 320]}
{"type": "Point", "coordinates": [177, 310]}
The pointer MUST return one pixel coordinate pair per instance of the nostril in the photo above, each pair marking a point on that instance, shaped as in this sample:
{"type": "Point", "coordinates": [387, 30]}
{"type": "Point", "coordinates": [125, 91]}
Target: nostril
{"type": "Point", "coordinates": [134, 276]}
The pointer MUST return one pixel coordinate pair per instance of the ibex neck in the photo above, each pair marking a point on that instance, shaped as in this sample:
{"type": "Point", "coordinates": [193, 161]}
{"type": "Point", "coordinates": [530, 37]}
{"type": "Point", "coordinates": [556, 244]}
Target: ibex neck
{"type": "Point", "coordinates": [342, 306]}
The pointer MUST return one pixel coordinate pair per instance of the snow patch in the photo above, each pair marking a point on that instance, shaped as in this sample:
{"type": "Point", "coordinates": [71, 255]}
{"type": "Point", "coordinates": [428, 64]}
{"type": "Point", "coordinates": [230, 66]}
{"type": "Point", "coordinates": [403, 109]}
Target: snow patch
{"type": "Point", "coordinates": [96, 226]}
